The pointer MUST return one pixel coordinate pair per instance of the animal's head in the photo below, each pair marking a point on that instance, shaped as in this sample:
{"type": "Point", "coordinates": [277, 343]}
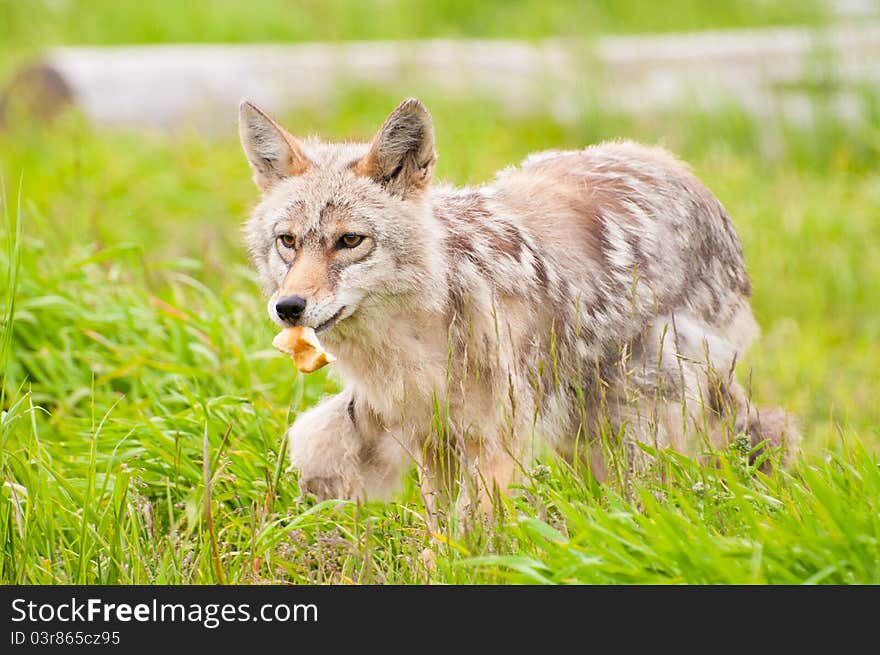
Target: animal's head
{"type": "Point", "coordinates": [340, 227]}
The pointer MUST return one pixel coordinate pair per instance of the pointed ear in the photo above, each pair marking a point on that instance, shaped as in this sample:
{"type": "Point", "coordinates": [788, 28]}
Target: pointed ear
{"type": "Point", "coordinates": [272, 152]}
{"type": "Point", "coordinates": [401, 156]}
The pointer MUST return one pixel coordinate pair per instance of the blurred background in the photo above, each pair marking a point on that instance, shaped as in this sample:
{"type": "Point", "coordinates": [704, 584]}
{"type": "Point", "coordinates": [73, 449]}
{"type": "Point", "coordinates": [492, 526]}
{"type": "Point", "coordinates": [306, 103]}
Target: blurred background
{"type": "Point", "coordinates": [134, 344]}
{"type": "Point", "coordinates": [122, 170]}
{"type": "Point", "coordinates": [774, 102]}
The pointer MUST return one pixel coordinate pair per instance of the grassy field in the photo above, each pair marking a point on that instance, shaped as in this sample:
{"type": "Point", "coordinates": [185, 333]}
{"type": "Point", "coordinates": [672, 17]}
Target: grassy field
{"type": "Point", "coordinates": [143, 404]}
{"type": "Point", "coordinates": [106, 21]}
{"type": "Point", "coordinates": [25, 27]}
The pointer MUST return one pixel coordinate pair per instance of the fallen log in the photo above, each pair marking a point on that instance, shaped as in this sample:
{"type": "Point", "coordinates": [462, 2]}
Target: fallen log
{"type": "Point", "coordinates": [170, 86]}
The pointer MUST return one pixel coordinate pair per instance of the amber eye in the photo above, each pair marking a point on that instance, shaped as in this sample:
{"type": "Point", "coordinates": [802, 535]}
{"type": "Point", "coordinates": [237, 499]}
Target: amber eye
{"type": "Point", "coordinates": [350, 240]}
{"type": "Point", "coordinates": [287, 240]}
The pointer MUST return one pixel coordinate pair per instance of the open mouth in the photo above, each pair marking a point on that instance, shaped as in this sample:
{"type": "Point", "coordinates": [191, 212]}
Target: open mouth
{"type": "Point", "coordinates": [330, 322]}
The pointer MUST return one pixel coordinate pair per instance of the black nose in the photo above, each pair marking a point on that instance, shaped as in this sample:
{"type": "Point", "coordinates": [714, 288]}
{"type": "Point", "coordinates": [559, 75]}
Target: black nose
{"type": "Point", "coordinates": [290, 308]}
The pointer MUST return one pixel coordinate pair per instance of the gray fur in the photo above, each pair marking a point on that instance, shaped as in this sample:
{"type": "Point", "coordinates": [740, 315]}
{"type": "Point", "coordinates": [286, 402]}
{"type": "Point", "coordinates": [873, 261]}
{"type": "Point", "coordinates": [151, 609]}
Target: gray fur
{"type": "Point", "coordinates": [590, 290]}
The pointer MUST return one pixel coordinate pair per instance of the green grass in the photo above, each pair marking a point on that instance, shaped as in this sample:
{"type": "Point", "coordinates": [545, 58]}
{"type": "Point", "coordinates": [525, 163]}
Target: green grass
{"type": "Point", "coordinates": [27, 26]}
{"type": "Point", "coordinates": [107, 22]}
{"type": "Point", "coordinates": [138, 332]}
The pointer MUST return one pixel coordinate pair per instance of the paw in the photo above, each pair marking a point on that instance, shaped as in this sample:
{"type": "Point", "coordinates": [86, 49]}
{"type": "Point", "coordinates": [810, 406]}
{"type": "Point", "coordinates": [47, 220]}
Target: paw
{"type": "Point", "coordinates": [325, 488]}
{"type": "Point", "coordinates": [771, 428]}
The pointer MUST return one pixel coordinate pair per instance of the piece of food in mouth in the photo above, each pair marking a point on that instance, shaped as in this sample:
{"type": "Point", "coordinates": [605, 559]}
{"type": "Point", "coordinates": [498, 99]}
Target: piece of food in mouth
{"type": "Point", "coordinates": [303, 345]}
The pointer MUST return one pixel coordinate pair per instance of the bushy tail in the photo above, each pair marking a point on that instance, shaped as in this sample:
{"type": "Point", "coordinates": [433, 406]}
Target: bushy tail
{"type": "Point", "coordinates": [767, 427]}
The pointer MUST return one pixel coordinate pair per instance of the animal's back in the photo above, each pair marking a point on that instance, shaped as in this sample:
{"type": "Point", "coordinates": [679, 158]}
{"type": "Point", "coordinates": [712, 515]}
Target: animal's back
{"type": "Point", "coordinates": [638, 236]}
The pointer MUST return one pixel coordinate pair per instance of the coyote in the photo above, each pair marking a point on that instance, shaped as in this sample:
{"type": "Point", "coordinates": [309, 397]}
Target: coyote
{"type": "Point", "coordinates": [582, 293]}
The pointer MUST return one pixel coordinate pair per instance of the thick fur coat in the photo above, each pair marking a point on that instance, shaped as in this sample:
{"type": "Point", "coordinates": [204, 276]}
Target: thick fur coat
{"type": "Point", "coordinates": [585, 300]}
